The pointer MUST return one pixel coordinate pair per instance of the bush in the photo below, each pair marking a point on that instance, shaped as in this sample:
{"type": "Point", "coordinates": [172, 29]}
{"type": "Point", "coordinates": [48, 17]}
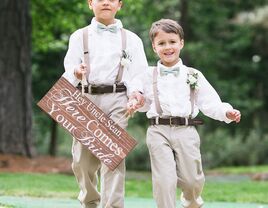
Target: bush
{"type": "Point", "coordinates": [221, 148]}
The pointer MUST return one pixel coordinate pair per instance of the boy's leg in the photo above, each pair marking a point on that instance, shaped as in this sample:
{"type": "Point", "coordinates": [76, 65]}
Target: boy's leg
{"type": "Point", "coordinates": [85, 166]}
{"type": "Point", "coordinates": [189, 167]}
{"type": "Point", "coordinates": [113, 182]}
{"type": "Point", "coordinates": [163, 166]}
{"type": "Point", "coordinates": [113, 186]}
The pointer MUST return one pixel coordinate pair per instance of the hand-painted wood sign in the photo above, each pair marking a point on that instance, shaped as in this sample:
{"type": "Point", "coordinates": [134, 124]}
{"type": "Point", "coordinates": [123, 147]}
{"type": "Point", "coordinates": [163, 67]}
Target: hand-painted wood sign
{"type": "Point", "coordinates": [87, 123]}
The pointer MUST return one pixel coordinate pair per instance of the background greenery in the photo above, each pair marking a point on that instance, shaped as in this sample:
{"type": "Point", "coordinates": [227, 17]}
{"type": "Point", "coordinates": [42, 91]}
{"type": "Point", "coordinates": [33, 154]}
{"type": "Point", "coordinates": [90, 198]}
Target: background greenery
{"type": "Point", "coordinates": [226, 40]}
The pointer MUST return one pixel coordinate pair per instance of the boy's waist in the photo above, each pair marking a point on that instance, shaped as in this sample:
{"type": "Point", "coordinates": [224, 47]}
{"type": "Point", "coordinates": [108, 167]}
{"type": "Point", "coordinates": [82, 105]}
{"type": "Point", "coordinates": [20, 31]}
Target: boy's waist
{"type": "Point", "coordinates": [176, 121]}
{"type": "Point", "coordinates": [102, 89]}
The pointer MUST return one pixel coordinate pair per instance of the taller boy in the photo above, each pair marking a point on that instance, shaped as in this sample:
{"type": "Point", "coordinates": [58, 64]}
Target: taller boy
{"type": "Point", "coordinates": [115, 56]}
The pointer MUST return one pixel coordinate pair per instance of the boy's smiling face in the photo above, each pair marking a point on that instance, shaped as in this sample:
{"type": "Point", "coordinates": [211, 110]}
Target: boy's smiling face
{"type": "Point", "coordinates": [105, 10]}
{"type": "Point", "coordinates": [168, 46]}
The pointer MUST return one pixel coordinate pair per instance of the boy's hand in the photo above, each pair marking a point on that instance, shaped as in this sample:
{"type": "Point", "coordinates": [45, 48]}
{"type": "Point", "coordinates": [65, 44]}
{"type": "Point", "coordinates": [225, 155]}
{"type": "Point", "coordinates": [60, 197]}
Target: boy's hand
{"type": "Point", "coordinates": [234, 115]}
{"type": "Point", "coordinates": [78, 72]}
{"type": "Point", "coordinates": [136, 101]}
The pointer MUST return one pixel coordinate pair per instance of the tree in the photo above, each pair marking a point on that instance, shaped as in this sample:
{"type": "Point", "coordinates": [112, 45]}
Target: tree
{"type": "Point", "coordinates": [15, 80]}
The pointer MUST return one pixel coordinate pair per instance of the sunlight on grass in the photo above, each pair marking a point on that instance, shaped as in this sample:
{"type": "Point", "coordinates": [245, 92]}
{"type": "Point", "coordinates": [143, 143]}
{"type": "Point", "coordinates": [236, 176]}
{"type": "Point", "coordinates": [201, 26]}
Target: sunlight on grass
{"type": "Point", "coordinates": [45, 185]}
{"type": "Point", "coordinates": [63, 186]}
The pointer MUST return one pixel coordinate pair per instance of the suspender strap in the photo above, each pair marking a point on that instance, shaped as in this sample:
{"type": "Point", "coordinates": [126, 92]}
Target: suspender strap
{"type": "Point", "coordinates": [192, 93]}
{"type": "Point", "coordinates": [124, 45]}
{"type": "Point", "coordinates": [86, 51]}
{"type": "Point", "coordinates": [156, 98]}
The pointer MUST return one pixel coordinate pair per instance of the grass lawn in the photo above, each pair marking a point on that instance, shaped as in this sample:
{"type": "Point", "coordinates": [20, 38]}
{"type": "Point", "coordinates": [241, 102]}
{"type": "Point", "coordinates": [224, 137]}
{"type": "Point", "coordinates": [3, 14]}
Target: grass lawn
{"type": "Point", "coordinates": [137, 185]}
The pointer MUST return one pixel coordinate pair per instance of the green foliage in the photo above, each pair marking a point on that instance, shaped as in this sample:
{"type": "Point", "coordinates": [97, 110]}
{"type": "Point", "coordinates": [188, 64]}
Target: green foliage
{"type": "Point", "coordinates": [138, 159]}
{"type": "Point", "coordinates": [220, 148]}
{"type": "Point", "coordinates": [230, 52]}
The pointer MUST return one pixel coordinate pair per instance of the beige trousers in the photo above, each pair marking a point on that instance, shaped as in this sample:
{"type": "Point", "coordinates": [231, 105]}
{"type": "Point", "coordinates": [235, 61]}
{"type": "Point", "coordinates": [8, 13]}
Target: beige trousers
{"type": "Point", "coordinates": [86, 166]}
{"type": "Point", "coordinates": [175, 162]}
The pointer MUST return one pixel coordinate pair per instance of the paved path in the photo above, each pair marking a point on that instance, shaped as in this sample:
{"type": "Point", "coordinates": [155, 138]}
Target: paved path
{"type": "Point", "coordinates": [28, 202]}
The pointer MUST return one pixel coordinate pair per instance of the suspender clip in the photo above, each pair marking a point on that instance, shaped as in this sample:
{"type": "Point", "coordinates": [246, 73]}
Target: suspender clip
{"type": "Point", "coordinates": [186, 121]}
{"type": "Point", "coordinates": [114, 88]}
{"type": "Point", "coordinates": [157, 121]}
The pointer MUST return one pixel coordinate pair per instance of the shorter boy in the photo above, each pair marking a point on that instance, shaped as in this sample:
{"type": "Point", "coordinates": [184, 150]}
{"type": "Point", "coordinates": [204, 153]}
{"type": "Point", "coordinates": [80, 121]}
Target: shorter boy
{"type": "Point", "coordinates": [174, 94]}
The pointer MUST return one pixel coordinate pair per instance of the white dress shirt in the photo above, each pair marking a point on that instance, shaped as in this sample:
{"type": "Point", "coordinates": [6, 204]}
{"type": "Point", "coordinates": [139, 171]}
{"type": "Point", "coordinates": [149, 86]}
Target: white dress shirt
{"type": "Point", "coordinates": [174, 95]}
{"type": "Point", "coordinates": [105, 51]}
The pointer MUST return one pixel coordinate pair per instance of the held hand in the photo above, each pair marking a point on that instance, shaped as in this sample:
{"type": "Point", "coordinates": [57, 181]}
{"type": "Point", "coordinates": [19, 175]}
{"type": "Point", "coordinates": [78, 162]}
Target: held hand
{"type": "Point", "coordinates": [78, 72]}
{"type": "Point", "coordinates": [131, 106]}
{"type": "Point", "coordinates": [234, 115]}
{"type": "Point", "coordinates": [136, 101]}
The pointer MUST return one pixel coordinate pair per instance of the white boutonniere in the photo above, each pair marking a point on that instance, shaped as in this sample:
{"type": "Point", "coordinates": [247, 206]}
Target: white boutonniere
{"type": "Point", "coordinates": [192, 80]}
{"type": "Point", "coordinates": [125, 59]}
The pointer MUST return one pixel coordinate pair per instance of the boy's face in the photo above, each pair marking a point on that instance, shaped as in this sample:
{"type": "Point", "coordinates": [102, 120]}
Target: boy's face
{"type": "Point", "coordinates": [105, 10]}
{"type": "Point", "coordinates": [168, 46]}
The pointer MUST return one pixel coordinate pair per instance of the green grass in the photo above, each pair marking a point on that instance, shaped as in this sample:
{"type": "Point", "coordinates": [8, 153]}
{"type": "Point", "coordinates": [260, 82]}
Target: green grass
{"type": "Point", "coordinates": [137, 185]}
{"type": "Point", "coordinates": [241, 170]}
{"type": "Point", "coordinates": [244, 191]}
{"type": "Point", "coordinates": [38, 185]}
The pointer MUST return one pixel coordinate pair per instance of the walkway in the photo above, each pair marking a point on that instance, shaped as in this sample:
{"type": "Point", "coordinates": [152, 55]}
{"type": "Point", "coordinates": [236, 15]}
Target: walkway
{"type": "Point", "coordinates": [28, 202]}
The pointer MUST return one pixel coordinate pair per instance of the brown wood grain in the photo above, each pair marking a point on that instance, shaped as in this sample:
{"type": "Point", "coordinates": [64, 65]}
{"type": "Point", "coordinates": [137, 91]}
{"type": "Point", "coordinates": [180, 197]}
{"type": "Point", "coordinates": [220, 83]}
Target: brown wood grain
{"type": "Point", "coordinates": [87, 123]}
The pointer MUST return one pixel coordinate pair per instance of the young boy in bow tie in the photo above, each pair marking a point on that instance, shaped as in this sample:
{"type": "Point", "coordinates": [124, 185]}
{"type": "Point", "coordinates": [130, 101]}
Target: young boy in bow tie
{"type": "Point", "coordinates": [106, 57]}
{"type": "Point", "coordinates": [174, 95]}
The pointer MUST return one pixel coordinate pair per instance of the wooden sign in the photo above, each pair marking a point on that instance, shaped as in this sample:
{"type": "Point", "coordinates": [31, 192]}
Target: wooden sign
{"type": "Point", "coordinates": [87, 123]}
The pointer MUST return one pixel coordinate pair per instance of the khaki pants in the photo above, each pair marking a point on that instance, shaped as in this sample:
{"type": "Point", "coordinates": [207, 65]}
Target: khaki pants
{"type": "Point", "coordinates": [175, 161]}
{"type": "Point", "coordinates": [86, 166]}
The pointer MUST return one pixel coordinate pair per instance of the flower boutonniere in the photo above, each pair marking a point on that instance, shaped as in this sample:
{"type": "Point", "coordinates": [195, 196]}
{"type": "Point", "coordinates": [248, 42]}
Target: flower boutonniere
{"type": "Point", "coordinates": [125, 59]}
{"type": "Point", "coordinates": [192, 80]}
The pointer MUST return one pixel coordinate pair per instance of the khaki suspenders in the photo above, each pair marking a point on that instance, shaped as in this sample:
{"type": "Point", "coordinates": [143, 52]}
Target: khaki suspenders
{"type": "Point", "coordinates": [124, 45]}
{"type": "Point", "coordinates": [192, 93]}
{"type": "Point", "coordinates": [156, 97]}
{"type": "Point", "coordinates": [86, 53]}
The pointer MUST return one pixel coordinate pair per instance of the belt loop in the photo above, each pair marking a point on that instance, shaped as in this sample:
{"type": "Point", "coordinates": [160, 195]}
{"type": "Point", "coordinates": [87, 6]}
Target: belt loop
{"type": "Point", "coordinates": [186, 121]}
{"type": "Point", "coordinates": [157, 120]}
{"type": "Point", "coordinates": [114, 88]}
{"type": "Point", "coordinates": [170, 121]}
{"type": "Point", "coordinates": [89, 89]}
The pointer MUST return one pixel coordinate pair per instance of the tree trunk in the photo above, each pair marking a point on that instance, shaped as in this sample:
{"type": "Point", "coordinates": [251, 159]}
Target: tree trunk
{"type": "Point", "coordinates": [15, 78]}
{"type": "Point", "coordinates": [184, 22]}
{"type": "Point", "coordinates": [53, 139]}
{"type": "Point", "coordinates": [184, 17]}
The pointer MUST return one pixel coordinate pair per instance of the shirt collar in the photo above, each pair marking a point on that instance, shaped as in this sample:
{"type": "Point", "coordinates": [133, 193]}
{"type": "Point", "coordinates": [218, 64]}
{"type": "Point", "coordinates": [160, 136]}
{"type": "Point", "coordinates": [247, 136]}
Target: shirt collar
{"type": "Point", "coordinates": [159, 64]}
{"type": "Point", "coordinates": [94, 24]}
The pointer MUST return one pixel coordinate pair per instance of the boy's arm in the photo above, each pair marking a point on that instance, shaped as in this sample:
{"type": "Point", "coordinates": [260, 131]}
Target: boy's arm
{"type": "Point", "coordinates": [72, 60]}
{"type": "Point", "coordinates": [209, 102]}
{"type": "Point", "coordinates": [138, 67]}
{"type": "Point", "coordinates": [135, 70]}
{"type": "Point", "coordinates": [142, 81]}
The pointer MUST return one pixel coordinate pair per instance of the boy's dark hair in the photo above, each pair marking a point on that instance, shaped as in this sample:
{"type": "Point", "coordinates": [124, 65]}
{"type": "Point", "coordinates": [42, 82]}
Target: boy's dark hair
{"type": "Point", "coordinates": [168, 26]}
